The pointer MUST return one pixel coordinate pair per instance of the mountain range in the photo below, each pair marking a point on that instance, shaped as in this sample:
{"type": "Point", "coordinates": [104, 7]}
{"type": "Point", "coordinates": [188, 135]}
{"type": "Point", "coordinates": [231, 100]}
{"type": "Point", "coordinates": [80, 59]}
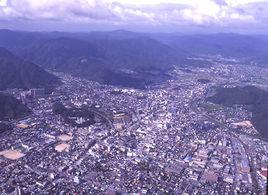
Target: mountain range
{"type": "Point", "coordinates": [126, 58]}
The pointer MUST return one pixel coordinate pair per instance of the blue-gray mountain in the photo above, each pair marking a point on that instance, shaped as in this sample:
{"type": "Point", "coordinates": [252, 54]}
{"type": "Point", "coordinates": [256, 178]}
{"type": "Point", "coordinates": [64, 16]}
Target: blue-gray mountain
{"type": "Point", "coordinates": [127, 58]}
{"type": "Point", "coordinates": [19, 73]}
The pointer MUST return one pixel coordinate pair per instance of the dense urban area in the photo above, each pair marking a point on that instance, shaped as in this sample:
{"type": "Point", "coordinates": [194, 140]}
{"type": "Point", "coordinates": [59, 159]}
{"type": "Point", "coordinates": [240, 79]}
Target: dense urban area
{"type": "Point", "coordinates": [91, 138]}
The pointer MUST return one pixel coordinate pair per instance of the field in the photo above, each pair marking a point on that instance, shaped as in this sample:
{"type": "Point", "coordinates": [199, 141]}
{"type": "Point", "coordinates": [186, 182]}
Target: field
{"type": "Point", "coordinates": [12, 154]}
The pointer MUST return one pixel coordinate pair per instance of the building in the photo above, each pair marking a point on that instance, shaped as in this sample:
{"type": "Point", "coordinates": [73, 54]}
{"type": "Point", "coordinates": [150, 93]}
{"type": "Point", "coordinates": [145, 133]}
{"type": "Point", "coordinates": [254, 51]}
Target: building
{"type": "Point", "coordinates": [210, 176]}
{"type": "Point", "coordinates": [37, 92]}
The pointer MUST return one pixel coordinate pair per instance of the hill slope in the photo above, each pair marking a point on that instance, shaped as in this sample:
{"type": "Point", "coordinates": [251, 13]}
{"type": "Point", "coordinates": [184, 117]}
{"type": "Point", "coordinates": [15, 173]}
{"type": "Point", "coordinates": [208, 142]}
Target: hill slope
{"type": "Point", "coordinates": [11, 108]}
{"type": "Point", "coordinates": [255, 98]}
{"type": "Point", "coordinates": [116, 58]}
{"type": "Point", "coordinates": [18, 73]}
{"type": "Point", "coordinates": [105, 61]}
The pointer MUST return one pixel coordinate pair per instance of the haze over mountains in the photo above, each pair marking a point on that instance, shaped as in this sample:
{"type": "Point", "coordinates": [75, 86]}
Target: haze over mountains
{"type": "Point", "coordinates": [126, 58]}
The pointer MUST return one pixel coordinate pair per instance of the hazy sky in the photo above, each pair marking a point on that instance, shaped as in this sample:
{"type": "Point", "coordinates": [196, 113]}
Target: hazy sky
{"type": "Point", "coordinates": [243, 16]}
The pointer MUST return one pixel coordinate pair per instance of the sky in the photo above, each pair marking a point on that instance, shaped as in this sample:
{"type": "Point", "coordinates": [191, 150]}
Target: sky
{"type": "Point", "coordinates": [186, 16]}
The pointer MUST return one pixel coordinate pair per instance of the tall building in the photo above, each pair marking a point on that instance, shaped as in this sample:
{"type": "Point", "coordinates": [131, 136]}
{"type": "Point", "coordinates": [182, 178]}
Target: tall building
{"type": "Point", "coordinates": [38, 92]}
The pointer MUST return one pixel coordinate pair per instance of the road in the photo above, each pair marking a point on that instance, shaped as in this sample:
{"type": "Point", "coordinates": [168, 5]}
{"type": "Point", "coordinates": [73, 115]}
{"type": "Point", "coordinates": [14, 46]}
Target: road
{"type": "Point", "coordinates": [195, 108]}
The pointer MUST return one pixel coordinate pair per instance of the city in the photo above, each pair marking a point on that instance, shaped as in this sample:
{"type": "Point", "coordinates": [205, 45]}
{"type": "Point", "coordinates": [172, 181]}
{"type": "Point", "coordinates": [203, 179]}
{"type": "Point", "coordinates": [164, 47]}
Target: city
{"type": "Point", "coordinates": [165, 139]}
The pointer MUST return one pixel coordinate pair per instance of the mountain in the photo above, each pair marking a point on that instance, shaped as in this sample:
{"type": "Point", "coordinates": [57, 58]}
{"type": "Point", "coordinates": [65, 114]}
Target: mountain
{"type": "Point", "coordinates": [100, 61]}
{"type": "Point", "coordinates": [116, 49]}
{"type": "Point", "coordinates": [124, 62]}
{"type": "Point", "coordinates": [246, 47]}
{"type": "Point", "coordinates": [127, 58]}
{"type": "Point", "coordinates": [11, 108]}
{"type": "Point", "coordinates": [18, 73]}
{"type": "Point", "coordinates": [129, 53]}
{"type": "Point", "coordinates": [225, 44]}
{"type": "Point", "coordinates": [253, 97]}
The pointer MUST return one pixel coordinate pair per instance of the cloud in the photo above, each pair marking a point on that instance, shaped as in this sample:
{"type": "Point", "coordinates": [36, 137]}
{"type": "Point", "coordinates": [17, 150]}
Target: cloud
{"type": "Point", "coordinates": [181, 13]}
